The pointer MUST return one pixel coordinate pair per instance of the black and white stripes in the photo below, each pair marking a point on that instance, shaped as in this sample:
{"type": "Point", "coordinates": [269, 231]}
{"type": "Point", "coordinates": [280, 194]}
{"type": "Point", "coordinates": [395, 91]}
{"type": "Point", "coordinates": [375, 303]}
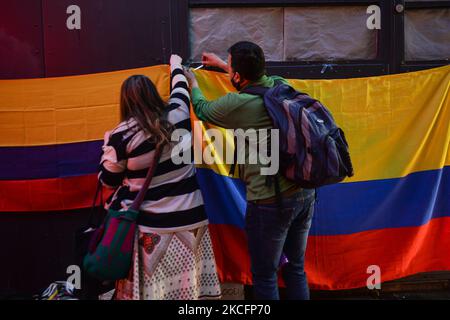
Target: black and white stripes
{"type": "Point", "coordinates": [173, 200]}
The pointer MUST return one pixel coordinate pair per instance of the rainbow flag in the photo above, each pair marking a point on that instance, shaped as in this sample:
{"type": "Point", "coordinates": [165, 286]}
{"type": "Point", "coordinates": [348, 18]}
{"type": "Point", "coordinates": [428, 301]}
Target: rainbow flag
{"type": "Point", "coordinates": [394, 213]}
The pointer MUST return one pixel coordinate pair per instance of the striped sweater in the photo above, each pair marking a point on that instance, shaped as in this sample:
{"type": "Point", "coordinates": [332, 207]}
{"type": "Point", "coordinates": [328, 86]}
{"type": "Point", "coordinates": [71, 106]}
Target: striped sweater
{"type": "Point", "coordinates": [173, 201]}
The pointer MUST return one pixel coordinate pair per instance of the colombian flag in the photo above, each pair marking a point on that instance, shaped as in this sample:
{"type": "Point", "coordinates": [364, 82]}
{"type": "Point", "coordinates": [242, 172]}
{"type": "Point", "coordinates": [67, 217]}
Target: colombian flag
{"type": "Point", "coordinates": [394, 213]}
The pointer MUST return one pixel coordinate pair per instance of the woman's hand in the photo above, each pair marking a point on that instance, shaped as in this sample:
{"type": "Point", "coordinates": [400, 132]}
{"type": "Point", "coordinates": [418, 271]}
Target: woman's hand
{"type": "Point", "coordinates": [175, 60]}
{"type": "Point", "coordinates": [210, 59]}
{"type": "Point", "coordinates": [190, 76]}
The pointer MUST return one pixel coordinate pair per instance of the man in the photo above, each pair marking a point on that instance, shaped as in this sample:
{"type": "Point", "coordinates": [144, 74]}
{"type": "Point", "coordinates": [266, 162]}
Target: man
{"type": "Point", "coordinates": [271, 230]}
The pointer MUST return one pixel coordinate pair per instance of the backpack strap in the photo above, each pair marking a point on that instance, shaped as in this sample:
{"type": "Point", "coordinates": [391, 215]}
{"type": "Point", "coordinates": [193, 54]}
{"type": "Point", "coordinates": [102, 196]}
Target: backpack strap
{"type": "Point", "coordinates": [259, 90]}
{"type": "Point", "coordinates": [255, 90]}
{"type": "Point", "coordinates": [235, 156]}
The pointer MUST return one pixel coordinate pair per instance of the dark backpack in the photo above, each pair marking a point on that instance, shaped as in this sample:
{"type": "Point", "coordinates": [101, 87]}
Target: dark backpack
{"type": "Point", "coordinates": [313, 149]}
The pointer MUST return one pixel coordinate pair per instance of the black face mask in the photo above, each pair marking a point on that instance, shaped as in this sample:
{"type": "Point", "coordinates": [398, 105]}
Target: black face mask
{"type": "Point", "coordinates": [236, 84]}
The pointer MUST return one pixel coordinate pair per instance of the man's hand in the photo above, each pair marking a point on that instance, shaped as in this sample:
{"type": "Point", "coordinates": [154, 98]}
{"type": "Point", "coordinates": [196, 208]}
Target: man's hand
{"type": "Point", "coordinates": [175, 60]}
{"type": "Point", "coordinates": [190, 76]}
{"type": "Point", "coordinates": [212, 60]}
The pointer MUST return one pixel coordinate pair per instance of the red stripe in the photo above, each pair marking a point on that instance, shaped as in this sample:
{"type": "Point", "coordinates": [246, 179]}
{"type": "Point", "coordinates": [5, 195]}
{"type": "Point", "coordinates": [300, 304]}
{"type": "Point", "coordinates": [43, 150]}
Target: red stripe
{"type": "Point", "coordinates": [230, 251]}
{"type": "Point", "coordinates": [340, 262]}
{"type": "Point", "coordinates": [48, 194]}
{"type": "Point", "coordinates": [333, 262]}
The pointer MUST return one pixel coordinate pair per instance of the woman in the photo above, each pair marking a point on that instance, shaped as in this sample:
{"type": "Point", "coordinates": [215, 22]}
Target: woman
{"type": "Point", "coordinates": [173, 257]}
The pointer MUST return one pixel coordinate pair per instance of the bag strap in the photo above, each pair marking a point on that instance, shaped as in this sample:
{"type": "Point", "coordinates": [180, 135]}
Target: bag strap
{"type": "Point", "coordinates": [255, 90]}
{"type": "Point", "coordinates": [259, 90]}
{"type": "Point", "coordinates": [148, 179]}
{"type": "Point", "coordinates": [235, 156]}
{"type": "Point", "coordinates": [98, 191]}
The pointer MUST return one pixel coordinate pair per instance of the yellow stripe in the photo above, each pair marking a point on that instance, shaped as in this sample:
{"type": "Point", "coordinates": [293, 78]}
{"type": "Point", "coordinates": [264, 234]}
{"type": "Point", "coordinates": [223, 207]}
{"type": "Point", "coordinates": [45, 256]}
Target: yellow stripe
{"type": "Point", "coordinates": [395, 124]}
{"type": "Point", "coordinates": [67, 109]}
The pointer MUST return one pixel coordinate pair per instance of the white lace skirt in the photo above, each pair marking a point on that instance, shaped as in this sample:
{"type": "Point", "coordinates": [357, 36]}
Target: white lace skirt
{"type": "Point", "coordinates": [171, 266]}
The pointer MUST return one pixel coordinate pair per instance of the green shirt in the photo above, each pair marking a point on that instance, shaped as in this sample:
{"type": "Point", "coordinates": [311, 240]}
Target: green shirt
{"type": "Point", "coordinates": [242, 111]}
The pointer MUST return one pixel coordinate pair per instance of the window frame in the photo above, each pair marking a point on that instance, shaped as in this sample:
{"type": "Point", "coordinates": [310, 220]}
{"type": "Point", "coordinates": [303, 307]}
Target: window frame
{"type": "Point", "coordinates": [319, 69]}
{"type": "Point", "coordinates": [401, 64]}
{"type": "Point", "coordinates": [390, 39]}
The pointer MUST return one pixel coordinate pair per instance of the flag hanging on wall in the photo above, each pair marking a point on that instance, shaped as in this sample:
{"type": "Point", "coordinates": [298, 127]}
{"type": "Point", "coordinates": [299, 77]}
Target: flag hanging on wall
{"type": "Point", "coordinates": [394, 213]}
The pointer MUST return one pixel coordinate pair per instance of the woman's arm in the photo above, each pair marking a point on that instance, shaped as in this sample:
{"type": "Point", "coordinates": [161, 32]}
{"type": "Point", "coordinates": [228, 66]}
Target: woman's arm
{"type": "Point", "coordinates": [113, 162]}
{"type": "Point", "coordinates": [179, 93]}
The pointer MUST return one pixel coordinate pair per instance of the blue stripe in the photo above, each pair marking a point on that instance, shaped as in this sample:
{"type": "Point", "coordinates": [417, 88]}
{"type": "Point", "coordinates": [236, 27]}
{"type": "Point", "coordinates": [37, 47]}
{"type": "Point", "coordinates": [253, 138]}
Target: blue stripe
{"type": "Point", "coordinates": [341, 209]}
{"type": "Point", "coordinates": [410, 201]}
{"type": "Point", "coordinates": [54, 161]}
{"type": "Point", "coordinates": [224, 197]}
{"type": "Point", "coordinates": [346, 208]}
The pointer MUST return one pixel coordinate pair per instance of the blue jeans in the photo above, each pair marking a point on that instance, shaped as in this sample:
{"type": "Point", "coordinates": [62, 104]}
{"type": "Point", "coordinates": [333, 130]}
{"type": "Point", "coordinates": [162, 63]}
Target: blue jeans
{"type": "Point", "coordinates": [271, 232]}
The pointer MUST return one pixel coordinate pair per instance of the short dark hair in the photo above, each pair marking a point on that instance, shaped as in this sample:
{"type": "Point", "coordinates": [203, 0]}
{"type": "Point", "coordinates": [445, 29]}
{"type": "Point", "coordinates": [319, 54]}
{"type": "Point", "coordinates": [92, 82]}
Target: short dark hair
{"type": "Point", "coordinates": [247, 58]}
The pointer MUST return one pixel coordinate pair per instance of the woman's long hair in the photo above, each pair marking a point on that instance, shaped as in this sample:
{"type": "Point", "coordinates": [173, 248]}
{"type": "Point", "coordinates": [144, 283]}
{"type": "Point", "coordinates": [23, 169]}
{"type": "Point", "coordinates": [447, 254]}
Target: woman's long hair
{"type": "Point", "coordinates": [140, 100]}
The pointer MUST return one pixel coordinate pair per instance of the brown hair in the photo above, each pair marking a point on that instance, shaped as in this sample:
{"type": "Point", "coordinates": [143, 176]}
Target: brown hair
{"type": "Point", "coordinates": [140, 100]}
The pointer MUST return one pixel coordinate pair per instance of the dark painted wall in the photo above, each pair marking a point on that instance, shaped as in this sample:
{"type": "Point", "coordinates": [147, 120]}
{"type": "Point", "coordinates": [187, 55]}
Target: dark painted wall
{"type": "Point", "coordinates": [118, 34]}
{"type": "Point", "coordinates": [114, 35]}
{"type": "Point", "coordinates": [21, 51]}
{"type": "Point", "coordinates": [37, 247]}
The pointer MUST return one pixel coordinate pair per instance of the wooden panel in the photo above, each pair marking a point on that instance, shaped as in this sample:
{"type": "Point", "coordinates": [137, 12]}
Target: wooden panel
{"type": "Point", "coordinates": [114, 35]}
{"type": "Point", "coordinates": [21, 52]}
